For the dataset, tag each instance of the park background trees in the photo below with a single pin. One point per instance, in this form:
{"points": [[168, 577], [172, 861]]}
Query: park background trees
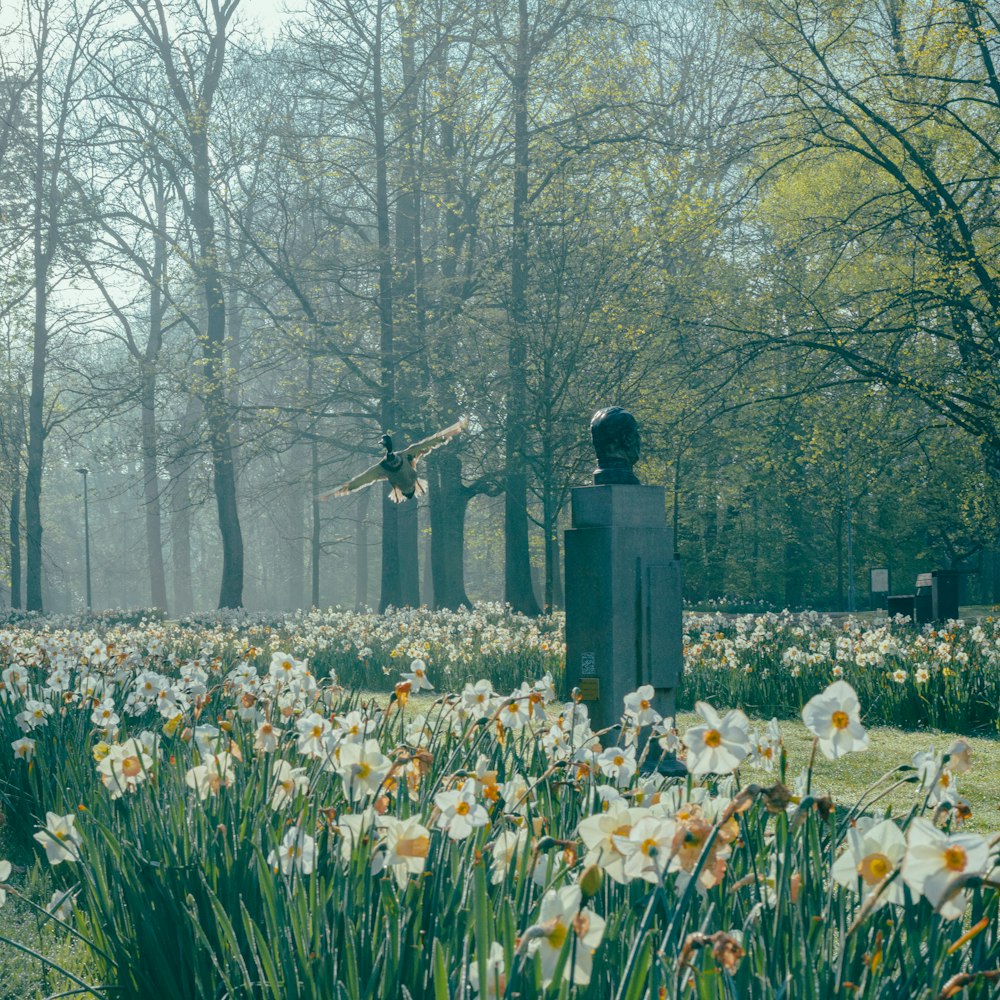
{"points": [[232, 255]]}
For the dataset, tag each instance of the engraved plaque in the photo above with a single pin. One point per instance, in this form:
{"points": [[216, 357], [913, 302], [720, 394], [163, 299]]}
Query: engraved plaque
{"points": [[590, 689]]}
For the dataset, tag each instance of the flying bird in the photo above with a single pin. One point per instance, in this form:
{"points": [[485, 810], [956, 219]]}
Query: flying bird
{"points": [[400, 467]]}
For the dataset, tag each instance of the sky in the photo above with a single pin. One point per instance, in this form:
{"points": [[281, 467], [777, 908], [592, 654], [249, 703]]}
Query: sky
{"points": [[269, 14]]}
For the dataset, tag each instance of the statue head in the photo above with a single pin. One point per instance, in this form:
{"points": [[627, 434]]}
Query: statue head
{"points": [[616, 441]]}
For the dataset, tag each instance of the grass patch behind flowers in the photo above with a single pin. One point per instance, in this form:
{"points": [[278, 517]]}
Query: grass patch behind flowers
{"points": [[233, 825]]}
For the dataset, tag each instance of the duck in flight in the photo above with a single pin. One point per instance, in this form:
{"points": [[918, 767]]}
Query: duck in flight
{"points": [[400, 467]]}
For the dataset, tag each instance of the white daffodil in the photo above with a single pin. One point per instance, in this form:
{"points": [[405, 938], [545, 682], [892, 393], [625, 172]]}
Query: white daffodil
{"points": [[354, 829], [24, 748], [639, 707], [313, 731], [105, 717], [460, 812], [505, 850], [286, 784], [518, 795], [285, 668], [648, 848], [34, 716], [362, 768], [4, 875], [297, 853], [266, 738], [871, 855], [618, 764], [215, 774], [417, 676], [600, 834], [124, 768], [59, 838], [516, 713], [720, 745], [405, 844], [355, 727], [936, 777], [496, 976], [209, 739], [960, 757], [61, 904], [560, 917], [834, 717], [764, 747], [479, 699], [935, 860]]}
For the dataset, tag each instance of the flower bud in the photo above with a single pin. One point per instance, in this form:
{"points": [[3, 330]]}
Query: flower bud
{"points": [[590, 881]]}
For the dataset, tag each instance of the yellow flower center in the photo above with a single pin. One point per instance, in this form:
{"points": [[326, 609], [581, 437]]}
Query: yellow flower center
{"points": [[317, 731], [413, 847], [648, 846], [462, 808], [955, 859], [619, 760], [713, 738], [557, 936], [364, 769], [874, 868], [644, 704], [131, 767], [840, 720]]}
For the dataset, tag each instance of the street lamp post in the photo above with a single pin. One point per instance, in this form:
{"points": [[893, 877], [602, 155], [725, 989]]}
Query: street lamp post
{"points": [[83, 470]]}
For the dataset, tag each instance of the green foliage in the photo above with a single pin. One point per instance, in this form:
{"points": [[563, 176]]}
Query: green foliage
{"points": [[190, 894]]}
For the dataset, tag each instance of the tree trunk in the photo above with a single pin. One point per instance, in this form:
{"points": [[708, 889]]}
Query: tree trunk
{"points": [[518, 589], [408, 521], [216, 400], [361, 552], [391, 590], [427, 580], [14, 513], [315, 538], [447, 512], [14, 526], [41, 258], [408, 293], [295, 545], [180, 513], [150, 445], [151, 492]]}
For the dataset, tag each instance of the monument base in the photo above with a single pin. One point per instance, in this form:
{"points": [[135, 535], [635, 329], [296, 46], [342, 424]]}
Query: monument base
{"points": [[623, 600]]}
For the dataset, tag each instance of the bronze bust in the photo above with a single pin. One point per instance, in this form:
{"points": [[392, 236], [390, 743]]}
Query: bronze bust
{"points": [[616, 441]]}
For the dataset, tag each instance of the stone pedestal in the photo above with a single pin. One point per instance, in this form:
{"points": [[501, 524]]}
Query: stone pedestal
{"points": [[623, 600]]}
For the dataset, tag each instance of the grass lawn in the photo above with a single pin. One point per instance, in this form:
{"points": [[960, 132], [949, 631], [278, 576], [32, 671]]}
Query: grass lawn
{"points": [[21, 976], [848, 778]]}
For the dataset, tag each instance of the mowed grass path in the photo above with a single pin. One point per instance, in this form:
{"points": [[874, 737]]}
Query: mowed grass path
{"points": [[845, 780]]}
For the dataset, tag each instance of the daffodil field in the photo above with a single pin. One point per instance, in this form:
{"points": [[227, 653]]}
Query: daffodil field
{"points": [[947, 678], [334, 805]]}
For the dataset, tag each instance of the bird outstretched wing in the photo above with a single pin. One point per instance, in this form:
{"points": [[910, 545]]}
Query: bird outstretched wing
{"points": [[416, 451], [369, 476]]}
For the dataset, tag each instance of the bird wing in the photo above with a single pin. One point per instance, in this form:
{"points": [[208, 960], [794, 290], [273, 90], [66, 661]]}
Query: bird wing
{"points": [[415, 452], [369, 476]]}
